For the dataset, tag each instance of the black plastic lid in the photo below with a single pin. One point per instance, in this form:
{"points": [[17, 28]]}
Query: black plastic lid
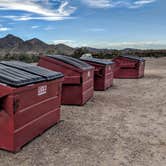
{"points": [[97, 60], [72, 61], [37, 70], [18, 76], [133, 57], [15, 77]]}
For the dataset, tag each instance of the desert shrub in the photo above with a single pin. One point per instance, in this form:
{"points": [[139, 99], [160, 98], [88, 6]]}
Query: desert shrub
{"points": [[20, 57]]}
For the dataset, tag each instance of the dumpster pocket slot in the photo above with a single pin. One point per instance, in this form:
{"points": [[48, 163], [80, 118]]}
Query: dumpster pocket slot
{"points": [[128, 65], [99, 72], [72, 80], [16, 104], [2, 103]]}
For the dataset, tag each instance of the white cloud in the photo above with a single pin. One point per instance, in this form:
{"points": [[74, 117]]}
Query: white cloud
{"points": [[117, 3], [140, 44], [132, 44], [98, 3], [42, 10], [140, 3], [3, 29], [35, 27], [68, 42], [71, 43], [114, 45], [30, 17]]}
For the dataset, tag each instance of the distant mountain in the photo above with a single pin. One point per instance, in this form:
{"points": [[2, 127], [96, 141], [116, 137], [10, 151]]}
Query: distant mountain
{"points": [[11, 45], [10, 42], [62, 48], [14, 45]]}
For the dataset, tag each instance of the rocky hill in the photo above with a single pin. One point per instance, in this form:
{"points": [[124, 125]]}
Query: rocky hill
{"points": [[15, 45]]}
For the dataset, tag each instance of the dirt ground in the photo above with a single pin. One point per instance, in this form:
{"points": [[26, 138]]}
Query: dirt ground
{"points": [[123, 126]]}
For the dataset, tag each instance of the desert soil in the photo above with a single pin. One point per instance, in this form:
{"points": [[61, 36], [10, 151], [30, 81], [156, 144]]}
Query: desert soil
{"points": [[123, 126]]}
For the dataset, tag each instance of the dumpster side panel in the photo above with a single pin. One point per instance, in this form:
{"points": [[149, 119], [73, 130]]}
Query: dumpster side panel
{"points": [[109, 76], [141, 69], [87, 86]]}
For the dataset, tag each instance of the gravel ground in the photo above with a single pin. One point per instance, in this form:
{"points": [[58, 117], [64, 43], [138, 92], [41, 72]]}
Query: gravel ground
{"points": [[124, 126]]}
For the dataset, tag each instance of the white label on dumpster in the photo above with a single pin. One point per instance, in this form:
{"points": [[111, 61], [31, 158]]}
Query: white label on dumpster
{"points": [[42, 90], [89, 74]]}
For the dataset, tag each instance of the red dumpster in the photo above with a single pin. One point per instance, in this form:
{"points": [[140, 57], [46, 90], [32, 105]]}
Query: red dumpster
{"points": [[30, 99], [129, 67], [103, 75], [78, 86]]}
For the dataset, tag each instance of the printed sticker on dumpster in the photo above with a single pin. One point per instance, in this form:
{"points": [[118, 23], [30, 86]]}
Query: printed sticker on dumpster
{"points": [[42, 90], [89, 74]]}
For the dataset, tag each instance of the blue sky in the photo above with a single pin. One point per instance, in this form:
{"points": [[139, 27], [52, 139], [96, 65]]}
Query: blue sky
{"points": [[95, 23]]}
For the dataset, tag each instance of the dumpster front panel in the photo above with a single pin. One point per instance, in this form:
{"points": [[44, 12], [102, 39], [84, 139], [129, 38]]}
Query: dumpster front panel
{"points": [[129, 67], [79, 94], [71, 94], [6, 123], [34, 116], [35, 101]]}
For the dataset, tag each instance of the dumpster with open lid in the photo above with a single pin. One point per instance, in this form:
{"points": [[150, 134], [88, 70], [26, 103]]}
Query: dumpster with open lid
{"points": [[77, 87], [129, 67], [29, 102], [103, 75]]}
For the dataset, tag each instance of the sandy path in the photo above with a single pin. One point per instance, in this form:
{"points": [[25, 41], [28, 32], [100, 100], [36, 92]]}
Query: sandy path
{"points": [[124, 126]]}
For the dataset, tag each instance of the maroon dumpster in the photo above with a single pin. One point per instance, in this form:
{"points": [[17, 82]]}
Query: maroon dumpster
{"points": [[129, 67], [78, 85], [30, 99], [103, 75]]}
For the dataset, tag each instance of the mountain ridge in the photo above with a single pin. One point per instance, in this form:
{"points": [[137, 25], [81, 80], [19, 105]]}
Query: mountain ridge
{"points": [[15, 45]]}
